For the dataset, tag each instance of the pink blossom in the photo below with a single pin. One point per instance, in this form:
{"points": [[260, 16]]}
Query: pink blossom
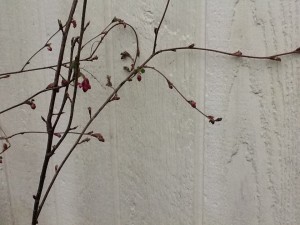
{"points": [[85, 85]]}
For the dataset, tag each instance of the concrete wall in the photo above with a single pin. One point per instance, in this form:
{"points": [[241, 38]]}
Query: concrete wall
{"points": [[162, 163]]}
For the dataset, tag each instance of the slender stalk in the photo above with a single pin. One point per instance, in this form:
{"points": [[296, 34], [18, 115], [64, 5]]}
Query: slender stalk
{"points": [[31, 97], [47, 44], [76, 75], [176, 89], [50, 131], [156, 30], [37, 132]]}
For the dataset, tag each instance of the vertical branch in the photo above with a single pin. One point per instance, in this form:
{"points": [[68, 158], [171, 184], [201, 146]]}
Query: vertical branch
{"points": [[73, 42], [156, 30], [76, 75], [50, 130]]}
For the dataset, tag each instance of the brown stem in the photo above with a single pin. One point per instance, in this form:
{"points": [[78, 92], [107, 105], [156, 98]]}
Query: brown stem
{"points": [[31, 97], [50, 131], [271, 57], [37, 68], [132, 73], [38, 132], [67, 87], [45, 45], [156, 30], [76, 75], [102, 32], [171, 83], [49, 151]]}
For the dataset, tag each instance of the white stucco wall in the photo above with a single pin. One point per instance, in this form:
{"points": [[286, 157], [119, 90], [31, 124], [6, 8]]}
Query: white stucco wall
{"points": [[162, 163]]}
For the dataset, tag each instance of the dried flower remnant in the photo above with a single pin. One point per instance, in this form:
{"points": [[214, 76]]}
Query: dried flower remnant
{"points": [[170, 84], [31, 104], [276, 58], [74, 23], [64, 82], [212, 120], [297, 50], [4, 147], [108, 83], [90, 111], [115, 98], [49, 48], [57, 135], [238, 53], [50, 86], [84, 140], [125, 55], [98, 136], [126, 68]]}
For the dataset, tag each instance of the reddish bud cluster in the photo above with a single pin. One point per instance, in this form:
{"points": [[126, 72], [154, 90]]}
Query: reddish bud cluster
{"points": [[49, 48], [50, 86], [238, 53], [192, 103], [57, 135], [85, 85], [31, 103], [74, 23], [64, 82]]}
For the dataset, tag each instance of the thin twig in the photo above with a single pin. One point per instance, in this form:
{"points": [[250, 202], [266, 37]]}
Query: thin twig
{"points": [[102, 32], [235, 54], [39, 132], [68, 83], [31, 97], [108, 100], [45, 45], [173, 86], [156, 30]]}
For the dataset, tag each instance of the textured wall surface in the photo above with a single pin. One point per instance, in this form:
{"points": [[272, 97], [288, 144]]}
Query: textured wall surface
{"points": [[162, 162]]}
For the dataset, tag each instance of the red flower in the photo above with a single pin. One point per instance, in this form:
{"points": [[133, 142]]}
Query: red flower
{"points": [[85, 85]]}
